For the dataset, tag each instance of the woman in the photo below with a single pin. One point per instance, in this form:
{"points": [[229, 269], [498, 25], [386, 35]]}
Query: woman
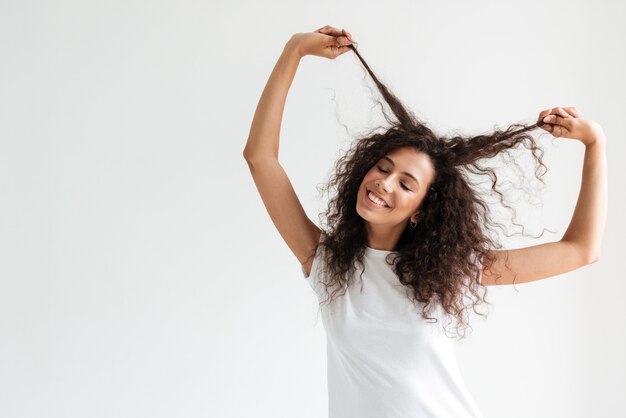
{"points": [[407, 224]]}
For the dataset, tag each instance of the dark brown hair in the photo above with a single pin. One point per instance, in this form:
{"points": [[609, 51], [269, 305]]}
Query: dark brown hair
{"points": [[451, 241]]}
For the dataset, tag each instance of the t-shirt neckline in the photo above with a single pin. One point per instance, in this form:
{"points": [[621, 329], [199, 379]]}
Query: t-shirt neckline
{"points": [[375, 251]]}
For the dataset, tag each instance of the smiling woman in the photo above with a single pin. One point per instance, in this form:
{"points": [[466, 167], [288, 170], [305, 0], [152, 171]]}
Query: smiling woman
{"points": [[404, 219], [391, 181]]}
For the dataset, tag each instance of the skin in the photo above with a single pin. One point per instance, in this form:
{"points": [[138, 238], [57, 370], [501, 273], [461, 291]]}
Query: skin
{"points": [[579, 246], [403, 194]]}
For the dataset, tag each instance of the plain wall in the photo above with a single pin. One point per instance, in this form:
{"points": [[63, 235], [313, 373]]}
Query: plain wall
{"points": [[140, 275]]}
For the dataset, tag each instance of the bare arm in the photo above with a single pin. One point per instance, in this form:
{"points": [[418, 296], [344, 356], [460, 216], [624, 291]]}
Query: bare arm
{"points": [[265, 130], [586, 228], [581, 243], [261, 152]]}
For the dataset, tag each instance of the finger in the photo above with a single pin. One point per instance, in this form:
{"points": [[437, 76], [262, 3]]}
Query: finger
{"points": [[560, 111], [347, 34], [572, 111], [344, 49], [558, 121], [542, 114], [331, 30], [335, 41], [339, 41], [546, 127], [335, 51], [323, 28], [555, 130], [559, 131]]}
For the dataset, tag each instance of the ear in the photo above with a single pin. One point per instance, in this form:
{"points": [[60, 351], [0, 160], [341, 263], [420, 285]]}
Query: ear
{"points": [[417, 216]]}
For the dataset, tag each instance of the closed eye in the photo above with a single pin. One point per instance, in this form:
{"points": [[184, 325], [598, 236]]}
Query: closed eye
{"points": [[401, 184]]}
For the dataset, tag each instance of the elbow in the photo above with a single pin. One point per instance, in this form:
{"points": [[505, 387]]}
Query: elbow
{"points": [[249, 159], [248, 151], [592, 258], [254, 160], [586, 254]]}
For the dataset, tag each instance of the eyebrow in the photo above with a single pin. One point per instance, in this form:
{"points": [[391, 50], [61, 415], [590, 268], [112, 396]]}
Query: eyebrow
{"points": [[406, 173]]}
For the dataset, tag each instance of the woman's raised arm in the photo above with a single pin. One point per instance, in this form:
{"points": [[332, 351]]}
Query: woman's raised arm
{"points": [[582, 241], [261, 151]]}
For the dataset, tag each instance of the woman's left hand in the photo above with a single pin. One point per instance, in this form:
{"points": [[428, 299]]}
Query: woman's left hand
{"points": [[566, 122]]}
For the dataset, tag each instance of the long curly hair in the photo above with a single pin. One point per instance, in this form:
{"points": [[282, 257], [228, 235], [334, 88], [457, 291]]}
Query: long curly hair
{"points": [[440, 259]]}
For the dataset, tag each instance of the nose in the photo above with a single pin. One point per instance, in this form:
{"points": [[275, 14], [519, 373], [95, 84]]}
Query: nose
{"points": [[384, 185]]}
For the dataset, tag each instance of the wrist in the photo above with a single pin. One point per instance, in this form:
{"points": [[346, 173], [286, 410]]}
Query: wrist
{"points": [[596, 137], [293, 47]]}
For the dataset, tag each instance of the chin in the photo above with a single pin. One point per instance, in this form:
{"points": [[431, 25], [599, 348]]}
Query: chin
{"points": [[363, 212], [367, 214]]}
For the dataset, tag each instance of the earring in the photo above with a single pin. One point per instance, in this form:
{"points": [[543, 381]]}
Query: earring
{"points": [[413, 225]]}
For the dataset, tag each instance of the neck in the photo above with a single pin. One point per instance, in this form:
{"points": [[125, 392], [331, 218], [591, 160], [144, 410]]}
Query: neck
{"points": [[383, 237]]}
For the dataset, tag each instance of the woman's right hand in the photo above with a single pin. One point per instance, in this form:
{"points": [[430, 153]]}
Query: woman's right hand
{"points": [[327, 42]]}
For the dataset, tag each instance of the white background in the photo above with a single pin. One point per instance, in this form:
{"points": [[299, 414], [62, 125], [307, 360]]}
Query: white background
{"points": [[140, 275]]}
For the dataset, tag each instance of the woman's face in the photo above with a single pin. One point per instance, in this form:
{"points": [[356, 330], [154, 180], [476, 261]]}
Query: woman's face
{"points": [[400, 179]]}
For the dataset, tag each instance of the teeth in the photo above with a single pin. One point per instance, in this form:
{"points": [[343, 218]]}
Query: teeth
{"points": [[376, 200]]}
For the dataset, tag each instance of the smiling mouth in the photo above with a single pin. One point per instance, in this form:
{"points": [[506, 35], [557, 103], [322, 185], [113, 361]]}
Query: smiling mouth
{"points": [[375, 200]]}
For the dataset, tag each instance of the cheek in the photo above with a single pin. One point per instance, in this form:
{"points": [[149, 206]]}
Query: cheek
{"points": [[409, 202], [367, 177]]}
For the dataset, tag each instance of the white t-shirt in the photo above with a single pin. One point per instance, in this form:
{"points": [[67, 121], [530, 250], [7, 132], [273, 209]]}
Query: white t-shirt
{"points": [[384, 359]]}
